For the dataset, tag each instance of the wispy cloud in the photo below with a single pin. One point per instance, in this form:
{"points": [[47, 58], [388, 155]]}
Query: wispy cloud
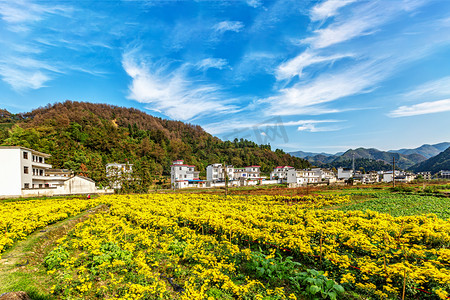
{"points": [[237, 124], [21, 79], [295, 66], [170, 91], [254, 3], [21, 12], [327, 9], [225, 26], [207, 63], [365, 19], [421, 108], [327, 87], [435, 88]]}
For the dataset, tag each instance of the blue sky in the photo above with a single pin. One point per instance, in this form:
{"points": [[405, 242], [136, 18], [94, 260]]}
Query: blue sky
{"points": [[300, 75]]}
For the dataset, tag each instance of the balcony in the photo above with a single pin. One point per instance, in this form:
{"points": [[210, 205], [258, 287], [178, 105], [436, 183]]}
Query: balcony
{"points": [[41, 165]]}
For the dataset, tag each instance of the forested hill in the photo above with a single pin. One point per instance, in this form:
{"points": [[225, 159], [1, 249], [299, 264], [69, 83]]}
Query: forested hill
{"points": [[85, 136], [435, 163]]}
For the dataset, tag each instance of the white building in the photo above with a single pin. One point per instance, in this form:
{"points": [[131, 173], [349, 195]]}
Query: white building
{"points": [[344, 174], [427, 175], [280, 172], [247, 173], [181, 175], [117, 173], [216, 173], [444, 174], [302, 177], [387, 175], [21, 169], [24, 172], [368, 178], [325, 175]]}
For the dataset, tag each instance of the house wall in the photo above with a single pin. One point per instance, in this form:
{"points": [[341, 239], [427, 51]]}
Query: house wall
{"points": [[11, 174], [79, 185]]}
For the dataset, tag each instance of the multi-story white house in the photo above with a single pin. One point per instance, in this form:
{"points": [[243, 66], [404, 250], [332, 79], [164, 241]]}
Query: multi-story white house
{"points": [[324, 175], [280, 172], [182, 175], [117, 173], [21, 168], [427, 175], [387, 175], [302, 177], [216, 173], [250, 172], [344, 173], [444, 174], [24, 172]]}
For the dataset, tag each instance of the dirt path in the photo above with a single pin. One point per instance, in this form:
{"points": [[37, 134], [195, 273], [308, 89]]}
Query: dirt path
{"points": [[21, 267]]}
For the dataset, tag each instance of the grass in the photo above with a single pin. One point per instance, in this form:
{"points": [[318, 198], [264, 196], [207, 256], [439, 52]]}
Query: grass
{"points": [[21, 267], [402, 205]]}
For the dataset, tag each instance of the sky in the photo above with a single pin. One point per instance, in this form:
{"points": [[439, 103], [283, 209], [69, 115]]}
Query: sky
{"points": [[318, 76]]}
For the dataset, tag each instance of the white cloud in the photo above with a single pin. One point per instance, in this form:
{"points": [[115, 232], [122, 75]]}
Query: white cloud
{"points": [[435, 88], [338, 33], [238, 125], [22, 79], [304, 96], [18, 13], [295, 66], [171, 92], [327, 9], [421, 108], [207, 63], [254, 3], [363, 20], [224, 26], [314, 128]]}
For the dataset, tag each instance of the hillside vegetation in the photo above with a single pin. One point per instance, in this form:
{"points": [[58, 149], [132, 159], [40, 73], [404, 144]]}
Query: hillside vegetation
{"points": [[435, 163], [85, 136]]}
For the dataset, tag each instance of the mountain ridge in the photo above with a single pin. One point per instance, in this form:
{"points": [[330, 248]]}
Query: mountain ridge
{"points": [[435, 163]]}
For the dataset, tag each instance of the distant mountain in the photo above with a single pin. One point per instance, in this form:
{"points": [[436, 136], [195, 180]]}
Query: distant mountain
{"points": [[303, 154], [402, 161], [365, 164], [371, 158], [435, 163], [425, 150]]}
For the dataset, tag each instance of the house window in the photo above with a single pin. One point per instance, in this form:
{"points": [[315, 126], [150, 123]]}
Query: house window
{"points": [[25, 170], [40, 185], [41, 172], [41, 160], [26, 185], [25, 155]]}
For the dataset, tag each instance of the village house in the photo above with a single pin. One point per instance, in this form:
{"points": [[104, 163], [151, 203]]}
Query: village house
{"points": [[280, 173], [425, 175], [183, 176], [216, 173], [302, 177], [444, 174], [25, 173], [344, 174], [368, 178]]}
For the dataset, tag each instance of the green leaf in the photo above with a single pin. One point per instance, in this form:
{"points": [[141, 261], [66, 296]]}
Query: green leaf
{"points": [[314, 289], [332, 295]]}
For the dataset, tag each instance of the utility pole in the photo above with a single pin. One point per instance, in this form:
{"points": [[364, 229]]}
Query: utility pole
{"points": [[353, 164], [226, 178], [393, 171]]}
